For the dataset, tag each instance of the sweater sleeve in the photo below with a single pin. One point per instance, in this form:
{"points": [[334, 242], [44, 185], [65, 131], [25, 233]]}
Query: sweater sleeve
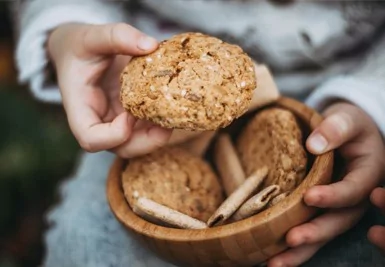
{"points": [[34, 19], [364, 87]]}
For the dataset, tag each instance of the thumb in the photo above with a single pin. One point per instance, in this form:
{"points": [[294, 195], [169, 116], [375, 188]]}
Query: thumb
{"points": [[113, 39], [338, 127]]}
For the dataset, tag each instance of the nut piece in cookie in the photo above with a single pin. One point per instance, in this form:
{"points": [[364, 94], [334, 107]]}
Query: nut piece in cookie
{"points": [[273, 138], [174, 178], [192, 82]]}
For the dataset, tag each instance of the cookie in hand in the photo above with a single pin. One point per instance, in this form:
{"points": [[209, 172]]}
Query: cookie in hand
{"points": [[191, 82]]}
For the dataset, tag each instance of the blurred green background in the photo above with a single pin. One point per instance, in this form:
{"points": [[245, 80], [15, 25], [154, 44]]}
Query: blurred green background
{"points": [[37, 151]]}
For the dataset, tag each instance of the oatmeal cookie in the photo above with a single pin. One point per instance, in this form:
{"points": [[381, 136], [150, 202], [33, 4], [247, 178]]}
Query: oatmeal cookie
{"points": [[192, 82], [175, 178], [274, 138]]}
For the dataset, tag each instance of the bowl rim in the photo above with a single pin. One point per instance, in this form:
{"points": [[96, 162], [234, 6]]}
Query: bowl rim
{"points": [[122, 211]]}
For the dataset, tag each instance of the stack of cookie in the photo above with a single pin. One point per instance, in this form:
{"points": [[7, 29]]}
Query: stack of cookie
{"points": [[194, 82]]}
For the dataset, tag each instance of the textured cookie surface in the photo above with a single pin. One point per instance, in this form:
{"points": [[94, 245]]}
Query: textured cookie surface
{"points": [[274, 138], [192, 81], [175, 178]]}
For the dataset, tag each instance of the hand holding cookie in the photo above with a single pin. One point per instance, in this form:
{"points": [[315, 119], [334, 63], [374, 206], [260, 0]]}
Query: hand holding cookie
{"points": [[191, 82], [350, 130], [88, 61]]}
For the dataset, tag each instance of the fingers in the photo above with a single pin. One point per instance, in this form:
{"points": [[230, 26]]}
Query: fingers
{"points": [[294, 257], [85, 109], [332, 132], [308, 238], [93, 135], [325, 227], [377, 197], [376, 235], [143, 141], [114, 39], [119, 135], [345, 193], [143, 124], [338, 128]]}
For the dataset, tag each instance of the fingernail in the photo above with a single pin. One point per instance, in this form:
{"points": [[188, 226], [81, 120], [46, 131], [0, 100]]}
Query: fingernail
{"points": [[318, 143], [146, 42]]}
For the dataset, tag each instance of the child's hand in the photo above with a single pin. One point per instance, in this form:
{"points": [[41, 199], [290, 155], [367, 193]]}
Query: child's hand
{"points": [[88, 61], [352, 131], [376, 234]]}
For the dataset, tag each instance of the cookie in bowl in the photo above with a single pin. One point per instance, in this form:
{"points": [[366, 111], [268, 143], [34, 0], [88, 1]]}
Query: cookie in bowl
{"points": [[176, 179], [273, 138], [192, 82]]}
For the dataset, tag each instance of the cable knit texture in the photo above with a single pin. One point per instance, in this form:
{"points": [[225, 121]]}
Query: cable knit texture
{"points": [[320, 52]]}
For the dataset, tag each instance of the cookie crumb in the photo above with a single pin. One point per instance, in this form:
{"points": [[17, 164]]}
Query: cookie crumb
{"points": [[193, 97], [204, 57], [168, 96]]}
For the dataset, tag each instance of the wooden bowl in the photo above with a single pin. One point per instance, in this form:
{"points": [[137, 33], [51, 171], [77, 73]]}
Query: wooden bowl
{"points": [[244, 243]]}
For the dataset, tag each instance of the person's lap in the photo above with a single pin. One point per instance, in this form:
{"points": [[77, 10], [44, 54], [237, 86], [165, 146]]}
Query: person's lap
{"points": [[83, 231]]}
